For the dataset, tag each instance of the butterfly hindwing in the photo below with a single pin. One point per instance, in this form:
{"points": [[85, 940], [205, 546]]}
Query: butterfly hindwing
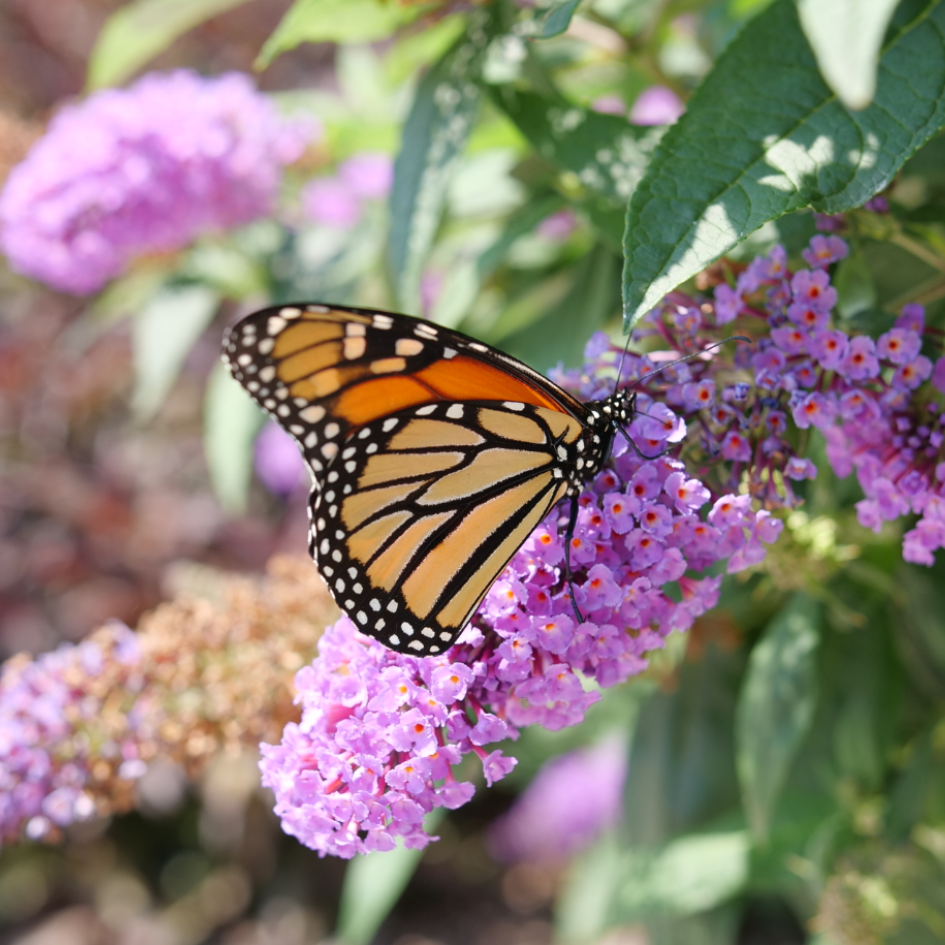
{"points": [[420, 512]]}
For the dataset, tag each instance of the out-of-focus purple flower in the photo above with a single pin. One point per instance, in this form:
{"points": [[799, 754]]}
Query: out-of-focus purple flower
{"points": [[824, 250], [558, 226], [277, 460], [44, 760], [368, 175], [144, 170], [331, 202], [657, 105], [570, 803], [609, 105]]}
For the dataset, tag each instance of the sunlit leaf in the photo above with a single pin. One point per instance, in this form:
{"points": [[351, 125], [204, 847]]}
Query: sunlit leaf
{"points": [[583, 906], [433, 137], [606, 153], [557, 19], [764, 135], [333, 21], [846, 36], [373, 884], [137, 32], [231, 422], [163, 332], [776, 706], [689, 875]]}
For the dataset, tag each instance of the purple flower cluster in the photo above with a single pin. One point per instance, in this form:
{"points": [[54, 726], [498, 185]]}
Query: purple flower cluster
{"points": [[873, 400], [143, 170], [338, 200], [380, 730], [46, 720], [569, 804]]}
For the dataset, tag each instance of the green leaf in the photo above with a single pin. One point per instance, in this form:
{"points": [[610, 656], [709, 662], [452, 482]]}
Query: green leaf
{"points": [[434, 135], [583, 906], [558, 19], [137, 32], [776, 706], [606, 154], [163, 332], [764, 135], [373, 884], [333, 21], [846, 36], [231, 422], [688, 875], [856, 290], [563, 332]]}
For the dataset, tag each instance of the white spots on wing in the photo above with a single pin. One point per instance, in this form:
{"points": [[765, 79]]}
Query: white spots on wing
{"points": [[392, 606], [275, 324], [331, 430], [511, 405], [283, 411], [374, 604], [428, 632], [389, 424], [324, 546], [351, 466], [266, 345], [562, 453], [394, 640], [426, 411], [355, 330], [362, 617], [371, 448], [415, 645], [449, 353], [318, 309], [354, 348], [267, 373], [244, 359], [455, 412], [311, 440], [282, 393], [364, 433], [446, 637], [406, 347], [475, 346], [426, 331], [340, 585], [383, 321], [312, 414], [348, 453], [289, 312], [330, 450], [336, 556], [408, 630]]}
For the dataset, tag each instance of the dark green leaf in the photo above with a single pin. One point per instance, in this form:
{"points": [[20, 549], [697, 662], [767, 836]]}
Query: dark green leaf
{"points": [[162, 334], [607, 154], [764, 135], [137, 32], [373, 884], [231, 422], [433, 138], [776, 706], [558, 19], [846, 36]]}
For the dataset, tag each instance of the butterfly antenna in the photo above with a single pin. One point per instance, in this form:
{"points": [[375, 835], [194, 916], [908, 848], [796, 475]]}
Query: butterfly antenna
{"points": [[687, 357]]}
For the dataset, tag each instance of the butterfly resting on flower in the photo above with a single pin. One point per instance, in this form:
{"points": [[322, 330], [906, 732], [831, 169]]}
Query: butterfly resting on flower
{"points": [[433, 457]]}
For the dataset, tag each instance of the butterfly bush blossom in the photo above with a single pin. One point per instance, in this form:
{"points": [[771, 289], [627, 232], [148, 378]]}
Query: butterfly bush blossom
{"points": [[144, 170]]}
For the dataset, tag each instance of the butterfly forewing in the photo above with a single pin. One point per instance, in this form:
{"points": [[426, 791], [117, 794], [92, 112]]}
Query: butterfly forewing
{"points": [[432, 457], [421, 511]]}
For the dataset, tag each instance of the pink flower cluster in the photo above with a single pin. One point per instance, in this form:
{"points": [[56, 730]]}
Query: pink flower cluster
{"points": [[143, 170], [874, 401], [339, 200]]}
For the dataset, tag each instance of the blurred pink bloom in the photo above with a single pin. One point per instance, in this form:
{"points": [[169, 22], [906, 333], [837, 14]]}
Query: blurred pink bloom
{"points": [[610, 105], [557, 227], [572, 800], [368, 175], [331, 201], [656, 105], [277, 460]]}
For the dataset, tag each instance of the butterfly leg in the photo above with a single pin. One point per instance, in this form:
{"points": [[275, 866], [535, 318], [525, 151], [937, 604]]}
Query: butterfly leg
{"points": [[568, 535]]}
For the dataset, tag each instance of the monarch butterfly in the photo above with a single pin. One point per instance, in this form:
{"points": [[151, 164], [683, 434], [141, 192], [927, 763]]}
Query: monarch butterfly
{"points": [[433, 457]]}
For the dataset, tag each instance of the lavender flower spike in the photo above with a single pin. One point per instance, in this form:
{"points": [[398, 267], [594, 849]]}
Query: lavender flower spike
{"points": [[143, 170]]}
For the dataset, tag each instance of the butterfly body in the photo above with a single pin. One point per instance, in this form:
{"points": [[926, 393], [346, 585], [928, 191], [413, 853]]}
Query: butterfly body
{"points": [[433, 457]]}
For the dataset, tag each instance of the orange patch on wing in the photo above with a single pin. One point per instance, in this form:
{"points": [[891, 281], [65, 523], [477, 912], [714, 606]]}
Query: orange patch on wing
{"points": [[360, 506], [363, 544], [459, 608], [323, 383], [512, 426], [389, 467], [464, 378], [377, 398], [304, 335], [421, 434], [438, 567], [314, 313], [488, 468], [562, 424], [386, 569], [309, 361]]}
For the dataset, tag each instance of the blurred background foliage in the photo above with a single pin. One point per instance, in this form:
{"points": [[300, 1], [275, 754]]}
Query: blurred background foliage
{"points": [[785, 761]]}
